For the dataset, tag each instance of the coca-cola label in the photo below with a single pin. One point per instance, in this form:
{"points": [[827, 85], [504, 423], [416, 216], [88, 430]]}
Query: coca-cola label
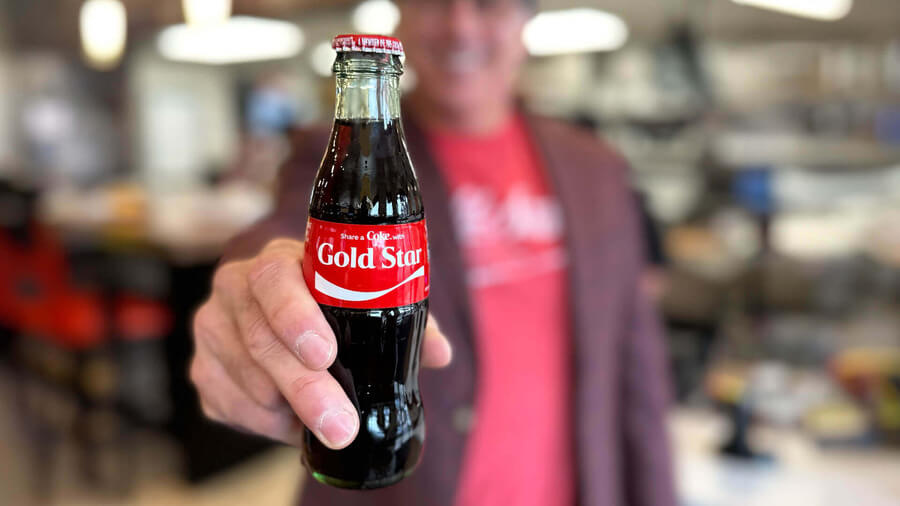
{"points": [[366, 266]]}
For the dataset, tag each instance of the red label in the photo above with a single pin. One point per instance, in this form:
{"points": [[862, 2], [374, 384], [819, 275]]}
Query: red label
{"points": [[366, 266]]}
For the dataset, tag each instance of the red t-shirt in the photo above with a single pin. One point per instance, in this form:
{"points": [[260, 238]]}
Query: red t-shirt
{"points": [[511, 231]]}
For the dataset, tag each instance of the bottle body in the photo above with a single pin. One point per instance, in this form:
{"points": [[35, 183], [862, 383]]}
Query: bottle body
{"points": [[366, 264]]}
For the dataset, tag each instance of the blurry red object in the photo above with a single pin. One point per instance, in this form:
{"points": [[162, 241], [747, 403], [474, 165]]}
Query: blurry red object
{"points": [[138, 318], [36, 297], [78, 320], [29, 274]]}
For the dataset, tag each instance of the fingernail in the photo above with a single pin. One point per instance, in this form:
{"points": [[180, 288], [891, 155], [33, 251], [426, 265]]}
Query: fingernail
{"points": [[314, 350], [338, 427]]}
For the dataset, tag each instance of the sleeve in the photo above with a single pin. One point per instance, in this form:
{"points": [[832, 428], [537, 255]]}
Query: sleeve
{"points": [[288, 217], [645, 399]]}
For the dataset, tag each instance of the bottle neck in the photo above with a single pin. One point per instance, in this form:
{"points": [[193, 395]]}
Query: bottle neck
{"points": [[367, 86]]}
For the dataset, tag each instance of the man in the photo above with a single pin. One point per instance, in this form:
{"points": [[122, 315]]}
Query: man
{"points": [[556, 393]]}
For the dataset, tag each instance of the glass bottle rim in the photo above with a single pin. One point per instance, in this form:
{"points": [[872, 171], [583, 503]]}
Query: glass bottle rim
{"points": [[352, 63]]}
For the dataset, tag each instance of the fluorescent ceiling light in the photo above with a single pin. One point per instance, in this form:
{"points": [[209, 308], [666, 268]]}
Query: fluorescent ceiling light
{"points": [[825, 10], [240, 39], [321, 58], [206, 12], [574, 31], [103, 25], [376, 16]]}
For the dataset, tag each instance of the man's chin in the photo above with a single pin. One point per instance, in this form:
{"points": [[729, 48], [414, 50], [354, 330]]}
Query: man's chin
{"points": [[463, 100], [458, 104]]}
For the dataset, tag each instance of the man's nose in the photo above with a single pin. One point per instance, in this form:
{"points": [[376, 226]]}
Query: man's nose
{"points": [[463, 18]]}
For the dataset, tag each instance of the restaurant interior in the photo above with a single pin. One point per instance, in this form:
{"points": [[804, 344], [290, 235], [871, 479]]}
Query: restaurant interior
{"points": [[763, 136]]}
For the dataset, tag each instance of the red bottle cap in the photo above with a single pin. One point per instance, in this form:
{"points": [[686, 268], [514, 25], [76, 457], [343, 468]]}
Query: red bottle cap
{"points": [[367, 44]]}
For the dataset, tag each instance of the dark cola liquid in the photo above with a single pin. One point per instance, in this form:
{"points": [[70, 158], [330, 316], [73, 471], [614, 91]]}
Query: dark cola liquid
{"points": [[366, 178]]}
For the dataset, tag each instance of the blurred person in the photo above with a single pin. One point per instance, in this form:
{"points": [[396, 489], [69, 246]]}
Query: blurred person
{"points": [[556, 393]]}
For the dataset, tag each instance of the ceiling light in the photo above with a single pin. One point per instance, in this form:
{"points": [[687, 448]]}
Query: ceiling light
{"points": [[104, 26], [574, 31], [206, 12], [376, 16], [240, 39], [825, 10], [321, 58]]}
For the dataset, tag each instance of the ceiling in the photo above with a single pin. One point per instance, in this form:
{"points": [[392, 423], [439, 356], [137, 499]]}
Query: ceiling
{"points": [[53, 23], [723, 19]]}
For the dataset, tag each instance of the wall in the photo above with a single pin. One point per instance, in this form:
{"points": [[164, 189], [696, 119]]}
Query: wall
{"points": [[185, 120]]}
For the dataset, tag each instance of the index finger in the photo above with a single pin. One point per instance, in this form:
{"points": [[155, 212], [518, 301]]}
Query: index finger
{"points": [[276, 282]]}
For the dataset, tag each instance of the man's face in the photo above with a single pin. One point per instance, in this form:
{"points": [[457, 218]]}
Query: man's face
{"points": [[466, 53]]}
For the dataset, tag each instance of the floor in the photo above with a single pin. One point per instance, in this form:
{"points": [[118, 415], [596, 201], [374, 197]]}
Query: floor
{"points": [[800, 474], [270, 479]]}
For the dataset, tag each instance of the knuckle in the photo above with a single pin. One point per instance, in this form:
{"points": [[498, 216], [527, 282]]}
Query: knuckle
{"points": [[269, 398], [227, 278], [283, 316], [299, 388], [209, 412], [259, 340], [197, 374], [203, 322], [230, 413], [262, 390], [285, 243], [207, 330], [266, 269]]}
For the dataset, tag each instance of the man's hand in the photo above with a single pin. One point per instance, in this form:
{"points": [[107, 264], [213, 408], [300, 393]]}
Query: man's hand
{"points": [[262, 347]]}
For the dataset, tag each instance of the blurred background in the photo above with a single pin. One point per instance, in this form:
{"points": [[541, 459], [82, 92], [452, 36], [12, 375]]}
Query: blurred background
{"points": [[136, 136]]}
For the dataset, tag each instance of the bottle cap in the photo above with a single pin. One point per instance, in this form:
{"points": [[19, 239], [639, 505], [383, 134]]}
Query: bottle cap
{"points": [[367, 44]]}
